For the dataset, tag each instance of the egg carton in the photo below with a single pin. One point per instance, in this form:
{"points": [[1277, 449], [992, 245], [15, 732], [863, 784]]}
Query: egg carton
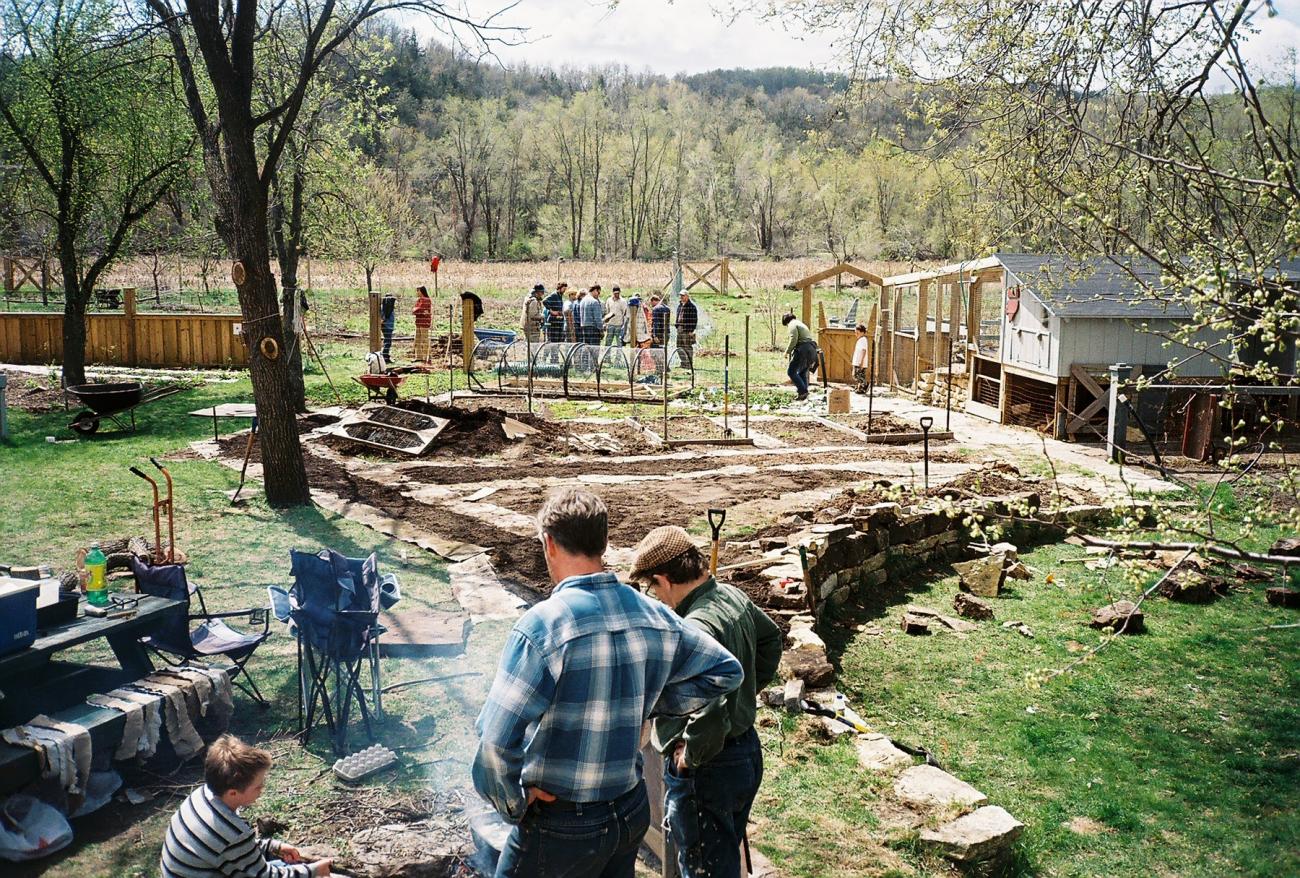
{"points": [[364, 763]]}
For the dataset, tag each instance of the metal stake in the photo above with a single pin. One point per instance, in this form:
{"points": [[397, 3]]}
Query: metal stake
{"points": [[926, 423], [726, 385]]}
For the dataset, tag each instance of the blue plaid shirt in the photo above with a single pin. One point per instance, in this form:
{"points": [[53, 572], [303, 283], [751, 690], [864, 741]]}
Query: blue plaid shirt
{"points": [[580, 674]]}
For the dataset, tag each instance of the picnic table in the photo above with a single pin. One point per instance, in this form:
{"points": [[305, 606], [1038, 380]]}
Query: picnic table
{"points": [[33, 681]]}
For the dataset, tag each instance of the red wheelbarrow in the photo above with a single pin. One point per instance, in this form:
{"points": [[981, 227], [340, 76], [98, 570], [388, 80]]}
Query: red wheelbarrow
{"points": [[382, 387]]}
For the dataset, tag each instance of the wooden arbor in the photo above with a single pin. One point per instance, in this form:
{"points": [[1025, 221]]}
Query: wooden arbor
{"points": [[806, 284], [836, 342]]}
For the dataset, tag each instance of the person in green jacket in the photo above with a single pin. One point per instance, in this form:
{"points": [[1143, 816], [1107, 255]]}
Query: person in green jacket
{"points": [[713, 762], [802, 351]]}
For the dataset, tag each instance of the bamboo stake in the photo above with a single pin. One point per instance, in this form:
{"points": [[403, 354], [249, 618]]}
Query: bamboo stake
{"points": [[746, 376], [664, 378]]}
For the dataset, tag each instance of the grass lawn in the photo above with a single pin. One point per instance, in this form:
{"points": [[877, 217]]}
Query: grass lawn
{"points": [[1174, 752]]}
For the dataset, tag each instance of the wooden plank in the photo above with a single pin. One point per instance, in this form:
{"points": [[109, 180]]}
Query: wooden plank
{"points": [[922, 318], [168, 354]]}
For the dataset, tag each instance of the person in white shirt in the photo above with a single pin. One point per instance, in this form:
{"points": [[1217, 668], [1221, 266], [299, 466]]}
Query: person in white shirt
{"points": [[616, 318], [861, 361]]}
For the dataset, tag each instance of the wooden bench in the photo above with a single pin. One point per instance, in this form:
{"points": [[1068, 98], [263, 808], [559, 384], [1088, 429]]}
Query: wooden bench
{"points": [[19, 766], [35, 683]]}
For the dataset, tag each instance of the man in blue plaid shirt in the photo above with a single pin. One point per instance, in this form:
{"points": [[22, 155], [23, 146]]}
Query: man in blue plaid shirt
{"points": [[560, 734]]}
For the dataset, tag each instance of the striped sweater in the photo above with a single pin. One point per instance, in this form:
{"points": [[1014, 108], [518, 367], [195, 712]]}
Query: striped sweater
{"points": [[208, 840]]}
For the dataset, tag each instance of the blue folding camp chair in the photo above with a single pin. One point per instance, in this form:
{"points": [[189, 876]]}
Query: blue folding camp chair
{"points": [[334, 604], [176, 644]]}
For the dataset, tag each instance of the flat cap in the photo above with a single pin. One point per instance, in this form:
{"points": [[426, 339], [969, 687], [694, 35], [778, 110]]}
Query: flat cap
{"points": [[539, 288], [660, 546]]}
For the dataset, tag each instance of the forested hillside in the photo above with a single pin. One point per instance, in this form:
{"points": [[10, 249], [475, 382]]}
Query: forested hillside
{"points": [[409, 147]]}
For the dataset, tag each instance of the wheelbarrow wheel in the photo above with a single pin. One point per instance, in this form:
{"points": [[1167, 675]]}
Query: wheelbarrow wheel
{"points": [[390, 396], [86, 423]]}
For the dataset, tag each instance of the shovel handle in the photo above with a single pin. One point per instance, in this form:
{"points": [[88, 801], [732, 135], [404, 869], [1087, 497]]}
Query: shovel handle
{"points": [[716, 519]]}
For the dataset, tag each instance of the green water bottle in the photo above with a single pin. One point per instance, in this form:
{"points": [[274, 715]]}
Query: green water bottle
{"points": [[97, 567]]}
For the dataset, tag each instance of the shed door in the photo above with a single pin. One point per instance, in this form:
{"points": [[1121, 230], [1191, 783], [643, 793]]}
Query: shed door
{"points": [[1027, 335]]}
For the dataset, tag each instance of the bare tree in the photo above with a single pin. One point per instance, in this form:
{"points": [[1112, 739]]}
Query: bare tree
{"points": [[228, 36], [86, 102]]}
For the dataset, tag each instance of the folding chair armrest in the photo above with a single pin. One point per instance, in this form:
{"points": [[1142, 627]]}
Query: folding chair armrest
{"points": [[256, 616]]}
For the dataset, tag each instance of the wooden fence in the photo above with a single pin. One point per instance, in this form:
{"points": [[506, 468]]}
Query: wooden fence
{"points": [[128, 339]]}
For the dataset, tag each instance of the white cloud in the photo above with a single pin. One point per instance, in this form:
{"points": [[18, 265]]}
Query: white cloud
{"points": [[686, 36], [690, 36]]}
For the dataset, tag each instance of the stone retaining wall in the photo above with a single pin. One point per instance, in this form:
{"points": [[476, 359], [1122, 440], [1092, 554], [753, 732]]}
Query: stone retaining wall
{"points": [[868, 547]]}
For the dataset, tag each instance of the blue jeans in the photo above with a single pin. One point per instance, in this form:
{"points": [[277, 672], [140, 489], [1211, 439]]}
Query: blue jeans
{"points": [[614, 336], [706, 812], [803, 357], [569, 840]]}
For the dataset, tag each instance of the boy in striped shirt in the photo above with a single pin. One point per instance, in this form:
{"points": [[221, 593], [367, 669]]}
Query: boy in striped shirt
{"points": [[208, 839]]}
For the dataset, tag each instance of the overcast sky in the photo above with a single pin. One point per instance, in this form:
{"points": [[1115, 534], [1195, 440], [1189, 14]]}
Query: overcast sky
{"points": [[688, 36]]}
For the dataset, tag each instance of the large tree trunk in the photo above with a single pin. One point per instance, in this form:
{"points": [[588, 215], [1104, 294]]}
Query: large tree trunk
{"points": [[283, 471], [74, 317], [287, 241]]}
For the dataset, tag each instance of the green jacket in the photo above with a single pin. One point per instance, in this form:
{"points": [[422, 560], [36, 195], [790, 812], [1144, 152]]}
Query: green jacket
{"points": [[745, 631], [799, 333]]}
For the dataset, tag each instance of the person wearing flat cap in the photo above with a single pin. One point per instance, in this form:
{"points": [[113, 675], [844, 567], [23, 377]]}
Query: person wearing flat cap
{"points": [[531, 319], [713, 762], [581, 673]]}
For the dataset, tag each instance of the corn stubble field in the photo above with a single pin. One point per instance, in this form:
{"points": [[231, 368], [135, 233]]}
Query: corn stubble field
{"points": [[406, 274]]}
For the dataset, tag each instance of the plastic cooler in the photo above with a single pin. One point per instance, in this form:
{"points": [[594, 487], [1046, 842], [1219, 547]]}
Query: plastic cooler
{"points": [[505, 336], [17, 614]]}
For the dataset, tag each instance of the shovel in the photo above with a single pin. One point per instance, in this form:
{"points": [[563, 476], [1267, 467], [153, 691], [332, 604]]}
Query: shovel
{"points": [[248, 453], [716, 518]]}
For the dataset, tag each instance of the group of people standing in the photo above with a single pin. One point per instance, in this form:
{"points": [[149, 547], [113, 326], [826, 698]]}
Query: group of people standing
{"points": [[581, 675], [585, 317]]}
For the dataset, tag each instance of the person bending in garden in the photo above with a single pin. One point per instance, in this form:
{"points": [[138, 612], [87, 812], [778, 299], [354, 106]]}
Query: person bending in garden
{"points": [[581, 672], [208, 839], [713, 762], [802, 351]]}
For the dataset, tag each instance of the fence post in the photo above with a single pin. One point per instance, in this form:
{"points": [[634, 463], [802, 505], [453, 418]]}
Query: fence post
{"points": [[726, 270], [1117, 412], [467, 334], [373, 301], [128, 312]]}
